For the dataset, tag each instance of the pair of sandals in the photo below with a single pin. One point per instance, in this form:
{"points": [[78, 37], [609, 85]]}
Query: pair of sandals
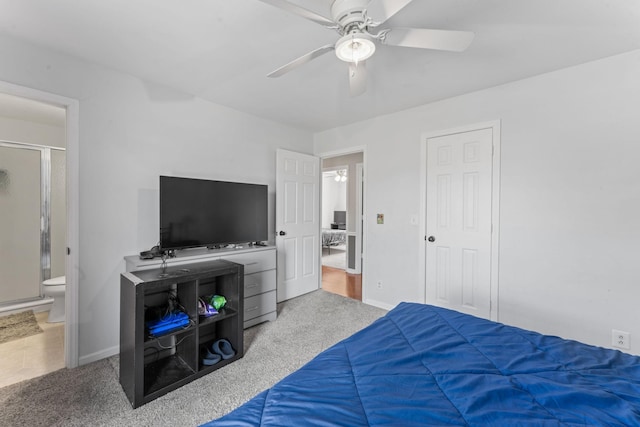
{"points": [[219, 350]]}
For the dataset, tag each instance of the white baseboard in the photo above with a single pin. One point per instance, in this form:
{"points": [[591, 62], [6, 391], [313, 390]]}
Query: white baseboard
{"points": [[99, 355], [379, 304]]}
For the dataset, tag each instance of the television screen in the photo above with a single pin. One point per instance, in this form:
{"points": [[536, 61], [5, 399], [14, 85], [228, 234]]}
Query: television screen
{"points": [[200, 212]]}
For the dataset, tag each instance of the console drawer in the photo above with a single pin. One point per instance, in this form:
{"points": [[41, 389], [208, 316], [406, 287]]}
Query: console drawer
{"points": [[258, 283], [254, 261], [260, 304]]}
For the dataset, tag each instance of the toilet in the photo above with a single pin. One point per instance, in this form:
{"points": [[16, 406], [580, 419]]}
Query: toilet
{"points": [[54, 288]]}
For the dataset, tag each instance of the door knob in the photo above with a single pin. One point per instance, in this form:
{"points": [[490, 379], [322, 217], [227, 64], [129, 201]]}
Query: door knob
{"points": [[431, 239], [282, 233]]}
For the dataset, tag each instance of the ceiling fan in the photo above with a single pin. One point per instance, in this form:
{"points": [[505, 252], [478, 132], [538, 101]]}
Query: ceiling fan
{"points": [[357, 22]]}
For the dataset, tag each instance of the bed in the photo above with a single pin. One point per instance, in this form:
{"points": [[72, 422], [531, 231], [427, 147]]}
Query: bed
{"points": [[423, 365]]}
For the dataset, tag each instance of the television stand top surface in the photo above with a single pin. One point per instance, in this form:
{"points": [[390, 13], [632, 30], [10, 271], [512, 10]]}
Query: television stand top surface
{"points": [[133, 262]]}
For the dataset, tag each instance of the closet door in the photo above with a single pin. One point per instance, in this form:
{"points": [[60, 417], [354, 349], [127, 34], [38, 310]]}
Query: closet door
{"points": [[459, 200]]}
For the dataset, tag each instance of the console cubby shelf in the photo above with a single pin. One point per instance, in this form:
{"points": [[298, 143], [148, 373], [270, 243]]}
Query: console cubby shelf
{"points": [[222, 314], [151, 366], [259, 270], [157, 339]]}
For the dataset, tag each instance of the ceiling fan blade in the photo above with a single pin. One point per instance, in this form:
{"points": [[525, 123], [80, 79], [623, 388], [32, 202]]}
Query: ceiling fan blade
{"points": [[357, 78], [381, 10], [300, 11], [301, 61], [456, 41]]}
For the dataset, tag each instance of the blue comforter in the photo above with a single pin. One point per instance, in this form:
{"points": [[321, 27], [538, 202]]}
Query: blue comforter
{"points": [[422, 365]]}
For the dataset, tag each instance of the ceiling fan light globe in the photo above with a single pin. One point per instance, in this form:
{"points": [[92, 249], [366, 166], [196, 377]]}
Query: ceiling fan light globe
{"points": [[355, 48]]}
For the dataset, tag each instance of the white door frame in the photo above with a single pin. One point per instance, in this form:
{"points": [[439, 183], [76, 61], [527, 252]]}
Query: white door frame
{"points": [[72, 107], [495, 205], [363, 237], [359, 216]]}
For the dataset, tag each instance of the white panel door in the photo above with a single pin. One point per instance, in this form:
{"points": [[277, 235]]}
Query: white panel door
{"points": [[297, 223], [458, 222]]}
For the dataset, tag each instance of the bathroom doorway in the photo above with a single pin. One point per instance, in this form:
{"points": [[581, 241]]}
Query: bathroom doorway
{"points": [[33, 232]]}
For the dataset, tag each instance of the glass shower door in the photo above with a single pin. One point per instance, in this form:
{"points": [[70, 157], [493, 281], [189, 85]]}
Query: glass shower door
{"points": [[20, 224]]}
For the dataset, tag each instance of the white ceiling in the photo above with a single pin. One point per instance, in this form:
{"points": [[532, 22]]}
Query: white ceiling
{"points": [[222, 50]]}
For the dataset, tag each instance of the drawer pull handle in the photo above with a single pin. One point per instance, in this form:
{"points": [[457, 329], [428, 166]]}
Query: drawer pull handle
{"points": [[252, 309], [253, 285], [253, 263]]}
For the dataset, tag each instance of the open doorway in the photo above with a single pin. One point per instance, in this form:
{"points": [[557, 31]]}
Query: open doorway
{"points": [[341, 233], [33, 199], [64, 167], [334, 218]]}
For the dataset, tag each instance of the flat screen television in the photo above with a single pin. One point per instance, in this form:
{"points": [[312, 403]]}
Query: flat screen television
{"points": [[200, 212]]}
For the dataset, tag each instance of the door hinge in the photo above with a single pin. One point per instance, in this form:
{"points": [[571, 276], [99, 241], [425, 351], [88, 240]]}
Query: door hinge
{"points": [[68, 251]]}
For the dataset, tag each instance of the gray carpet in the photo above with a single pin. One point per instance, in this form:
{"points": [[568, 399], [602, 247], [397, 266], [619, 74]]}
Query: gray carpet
{"points": [[91, 394]]}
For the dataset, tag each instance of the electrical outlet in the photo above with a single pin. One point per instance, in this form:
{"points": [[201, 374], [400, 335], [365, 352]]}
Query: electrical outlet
{"points": [[620, 339], [379, 284]]}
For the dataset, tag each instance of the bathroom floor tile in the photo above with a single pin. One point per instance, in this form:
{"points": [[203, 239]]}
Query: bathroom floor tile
{"points": [[33, 356]]}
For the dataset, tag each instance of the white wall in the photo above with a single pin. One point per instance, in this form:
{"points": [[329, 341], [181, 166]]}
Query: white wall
{"points": [[15, 130], [569, 197], [132, 131]]}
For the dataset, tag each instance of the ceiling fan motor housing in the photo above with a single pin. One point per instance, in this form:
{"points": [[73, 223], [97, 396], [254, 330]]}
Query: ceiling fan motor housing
{"points": [[349, 14]]}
